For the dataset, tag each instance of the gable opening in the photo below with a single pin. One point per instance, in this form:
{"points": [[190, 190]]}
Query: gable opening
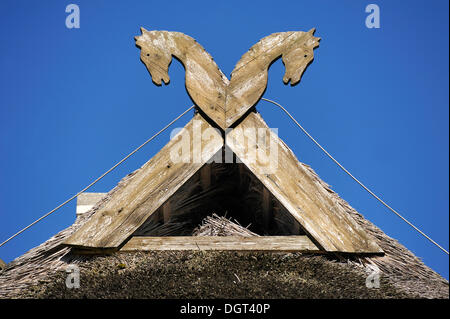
{"points": [[227, 190]]}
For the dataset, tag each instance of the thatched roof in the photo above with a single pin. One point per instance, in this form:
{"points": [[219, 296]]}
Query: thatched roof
{"points": [[213, 274], [216, 225], [201, 274]]}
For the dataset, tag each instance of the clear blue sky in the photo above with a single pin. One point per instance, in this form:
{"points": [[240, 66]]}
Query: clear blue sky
{"points": [[75, 101]]}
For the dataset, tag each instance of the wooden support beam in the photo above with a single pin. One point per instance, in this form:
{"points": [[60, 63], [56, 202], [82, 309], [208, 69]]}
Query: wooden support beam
{"points": [[235, 243], [86, 201], [266, 207], [144, 192], [298, 189]]}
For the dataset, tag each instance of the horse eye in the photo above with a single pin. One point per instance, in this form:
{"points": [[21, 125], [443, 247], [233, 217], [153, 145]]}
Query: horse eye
{"points": [[305, 55], [148, 54]]}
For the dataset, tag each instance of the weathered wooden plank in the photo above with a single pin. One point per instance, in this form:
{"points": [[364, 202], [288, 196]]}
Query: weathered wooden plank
{"points": [[297, 189], [149, 187], [86, 201], [236, 243], [223, 100]]}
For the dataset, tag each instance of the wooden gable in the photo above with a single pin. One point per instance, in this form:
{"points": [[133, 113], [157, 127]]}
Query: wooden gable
{"points": [[225, 102]]}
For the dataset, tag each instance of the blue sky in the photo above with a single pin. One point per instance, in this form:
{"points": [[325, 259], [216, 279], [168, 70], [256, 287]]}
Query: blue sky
{"points": [[75, 101]]}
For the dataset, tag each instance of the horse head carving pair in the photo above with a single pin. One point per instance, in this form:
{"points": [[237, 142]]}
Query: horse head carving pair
{"points": [[226, 100]]}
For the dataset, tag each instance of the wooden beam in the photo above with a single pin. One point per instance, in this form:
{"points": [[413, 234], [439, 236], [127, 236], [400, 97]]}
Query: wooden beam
{"points": [[236, 243], [266, 207], [86, 201], [152, 185], [298, 189]]}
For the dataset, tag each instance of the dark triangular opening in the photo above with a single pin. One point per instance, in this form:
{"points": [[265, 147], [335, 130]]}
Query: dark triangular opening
{"points": [[224, 189]]}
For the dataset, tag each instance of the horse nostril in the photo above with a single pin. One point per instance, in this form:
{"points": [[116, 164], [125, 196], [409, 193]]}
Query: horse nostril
{"points": [[148, 54]]}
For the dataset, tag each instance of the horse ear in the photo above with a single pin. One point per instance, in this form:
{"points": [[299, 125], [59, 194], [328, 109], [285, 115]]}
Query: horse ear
{"points": [[312, 31], [143, 30]]}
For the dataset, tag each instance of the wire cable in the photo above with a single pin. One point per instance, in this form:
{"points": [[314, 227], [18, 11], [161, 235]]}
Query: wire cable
{"points": [[354, 178], [99, 178]]}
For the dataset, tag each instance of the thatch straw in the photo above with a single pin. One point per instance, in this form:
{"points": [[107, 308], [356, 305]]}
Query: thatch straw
{"points": [[216, 225], [399, 267]]}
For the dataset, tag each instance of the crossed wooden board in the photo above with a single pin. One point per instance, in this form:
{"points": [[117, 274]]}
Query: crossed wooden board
{"points": [[328, 226]]}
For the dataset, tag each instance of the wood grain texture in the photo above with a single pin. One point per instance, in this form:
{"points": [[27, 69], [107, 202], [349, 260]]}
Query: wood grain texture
{"points": [[249, 77], [321, 216], [205, 82], [236, 243], [223, 100], [148, 189]]}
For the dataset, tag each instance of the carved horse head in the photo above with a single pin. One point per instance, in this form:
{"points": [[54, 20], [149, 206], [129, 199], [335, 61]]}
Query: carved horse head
{"points": [[156, 57], [297, 58], [223, 100]]}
